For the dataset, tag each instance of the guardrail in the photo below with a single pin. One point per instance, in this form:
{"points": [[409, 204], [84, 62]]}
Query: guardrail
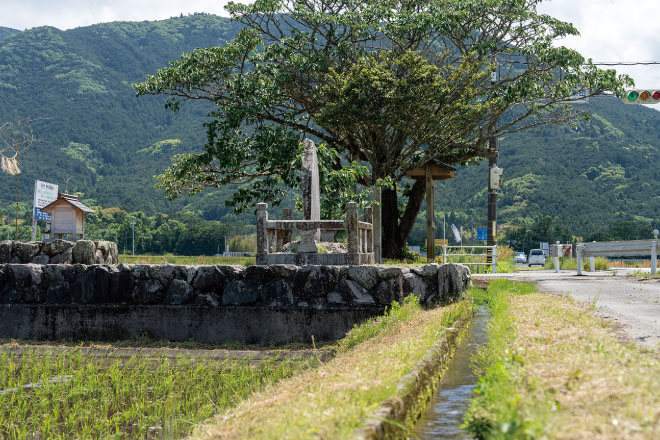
{"points": [[632, 248], [492, 249]]}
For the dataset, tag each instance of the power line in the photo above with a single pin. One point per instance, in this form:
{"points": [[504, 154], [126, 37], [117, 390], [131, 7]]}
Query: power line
{"points": [[597, 63]]}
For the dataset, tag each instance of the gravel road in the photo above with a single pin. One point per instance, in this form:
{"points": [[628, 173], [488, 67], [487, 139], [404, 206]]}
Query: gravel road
{"points": [[633, 303]]}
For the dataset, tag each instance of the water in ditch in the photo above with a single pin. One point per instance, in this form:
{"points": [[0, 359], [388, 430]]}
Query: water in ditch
{"points": [[444, 414]]}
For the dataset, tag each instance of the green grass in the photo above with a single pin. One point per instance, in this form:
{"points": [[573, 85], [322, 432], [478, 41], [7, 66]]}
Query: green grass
{"points": [[553, 369], [495, 410], [644, 275], [138, 398], [336, 398], [394, 316], [185, 260]]}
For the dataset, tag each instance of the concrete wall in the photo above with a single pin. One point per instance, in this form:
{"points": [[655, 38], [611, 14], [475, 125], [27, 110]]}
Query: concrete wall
{"points": [[213, 304]]}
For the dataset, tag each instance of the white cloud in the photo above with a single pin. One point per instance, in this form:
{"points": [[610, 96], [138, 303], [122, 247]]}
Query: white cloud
{"points": [[614, 30], [67, 14]]}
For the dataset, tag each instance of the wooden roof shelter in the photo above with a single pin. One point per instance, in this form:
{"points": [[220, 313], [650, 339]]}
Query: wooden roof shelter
{"points": [[67, 217], [431, 171]]}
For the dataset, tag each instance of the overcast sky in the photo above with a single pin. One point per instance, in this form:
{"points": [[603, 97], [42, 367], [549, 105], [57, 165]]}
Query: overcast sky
{"points": [[611, 30]]}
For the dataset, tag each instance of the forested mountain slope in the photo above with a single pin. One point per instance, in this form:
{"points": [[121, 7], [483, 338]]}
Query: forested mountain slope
{"points": [[588, 176], [6, 32], [109, 144], [91, 127]]}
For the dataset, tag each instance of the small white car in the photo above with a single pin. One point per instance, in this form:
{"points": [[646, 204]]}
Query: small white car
{"points": [[536, 257], [520, 258]]}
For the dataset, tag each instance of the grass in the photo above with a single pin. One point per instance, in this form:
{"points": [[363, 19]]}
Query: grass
{"points": [[72, 396], [335, 399], [505, 263], [571, 263], [645, 275], [185, 260], [553, 369]]}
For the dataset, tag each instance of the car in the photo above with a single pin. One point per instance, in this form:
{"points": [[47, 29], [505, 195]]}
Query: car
{"points": [[520, 257], [536, 257]]}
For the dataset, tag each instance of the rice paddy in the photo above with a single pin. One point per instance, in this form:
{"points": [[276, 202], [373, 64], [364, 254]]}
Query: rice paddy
{"points": [[70, 395]]}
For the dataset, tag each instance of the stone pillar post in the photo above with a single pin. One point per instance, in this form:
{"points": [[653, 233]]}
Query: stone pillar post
{"points": [[286, 235], [369, 218], [262, 237], [377, 222], [353, 232]]}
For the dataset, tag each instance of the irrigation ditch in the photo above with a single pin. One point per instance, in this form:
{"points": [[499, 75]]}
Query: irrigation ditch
{"points": [[437, 393]]}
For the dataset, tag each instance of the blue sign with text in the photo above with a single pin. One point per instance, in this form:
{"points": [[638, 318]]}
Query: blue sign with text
{"points": [[482, 233], [38, 215]]}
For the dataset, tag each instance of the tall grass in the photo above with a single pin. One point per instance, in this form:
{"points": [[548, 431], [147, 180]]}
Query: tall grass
{"points": [[185, 260], [71, 396]]}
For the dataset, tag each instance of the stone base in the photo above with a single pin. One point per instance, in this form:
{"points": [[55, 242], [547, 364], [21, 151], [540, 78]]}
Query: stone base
{"points": [[303, 259]]}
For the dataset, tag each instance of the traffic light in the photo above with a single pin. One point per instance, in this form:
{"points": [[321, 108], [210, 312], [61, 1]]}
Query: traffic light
{"points": [[642, 96]]}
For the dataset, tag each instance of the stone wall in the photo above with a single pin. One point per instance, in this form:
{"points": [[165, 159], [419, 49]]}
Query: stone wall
{"points": [[253, 304], [59, 252]]}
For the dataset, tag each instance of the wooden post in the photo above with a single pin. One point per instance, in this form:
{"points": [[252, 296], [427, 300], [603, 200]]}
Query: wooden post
{"points": [[262, 237], [430, 203]]}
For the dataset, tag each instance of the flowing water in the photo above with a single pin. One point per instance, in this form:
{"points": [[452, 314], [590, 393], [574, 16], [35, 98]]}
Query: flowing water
{"points": [[444, 414]]}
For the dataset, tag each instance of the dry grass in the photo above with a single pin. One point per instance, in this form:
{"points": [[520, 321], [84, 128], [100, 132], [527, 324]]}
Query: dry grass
{"points": [[595, 387], [330, 402]]}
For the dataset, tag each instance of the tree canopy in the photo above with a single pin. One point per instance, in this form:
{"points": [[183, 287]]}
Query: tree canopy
{"points": [[390, 84]]}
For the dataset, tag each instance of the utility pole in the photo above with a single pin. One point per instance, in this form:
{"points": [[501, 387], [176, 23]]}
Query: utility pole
{"points": [[492, 192], [133, 224]]}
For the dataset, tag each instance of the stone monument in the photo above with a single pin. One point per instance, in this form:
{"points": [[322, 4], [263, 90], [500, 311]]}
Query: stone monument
{"points": [[311, 196]]}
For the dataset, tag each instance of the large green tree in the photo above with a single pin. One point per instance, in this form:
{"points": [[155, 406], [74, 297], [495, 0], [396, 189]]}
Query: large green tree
{"points": [[388, 84]]}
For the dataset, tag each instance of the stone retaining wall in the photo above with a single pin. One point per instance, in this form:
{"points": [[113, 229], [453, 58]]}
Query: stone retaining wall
{"points": [[59, 252], [253, 304]]}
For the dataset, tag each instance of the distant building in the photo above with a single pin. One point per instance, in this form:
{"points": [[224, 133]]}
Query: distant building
{"points": [[67, 217]]}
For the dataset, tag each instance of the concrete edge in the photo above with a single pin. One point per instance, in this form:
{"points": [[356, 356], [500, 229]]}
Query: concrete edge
{"points": [[414, 389]]}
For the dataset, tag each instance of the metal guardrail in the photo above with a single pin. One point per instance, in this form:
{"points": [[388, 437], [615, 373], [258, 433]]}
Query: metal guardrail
{"points": [[632, 248], [493, 255]]}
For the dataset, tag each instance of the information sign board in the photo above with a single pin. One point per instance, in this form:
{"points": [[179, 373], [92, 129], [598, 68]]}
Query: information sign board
{"points": [[44, 194]]}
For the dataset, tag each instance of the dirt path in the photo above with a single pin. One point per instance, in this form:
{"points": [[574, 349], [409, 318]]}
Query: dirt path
{"points": [[633, 303]]}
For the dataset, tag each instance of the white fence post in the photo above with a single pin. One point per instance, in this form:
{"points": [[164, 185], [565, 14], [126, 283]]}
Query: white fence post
{"points": [[494, 259], [579, 260], [654, 257], [592, 264], [556, 264]]}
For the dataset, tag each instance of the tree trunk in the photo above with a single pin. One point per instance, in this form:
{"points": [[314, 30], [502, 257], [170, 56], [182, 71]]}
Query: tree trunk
{"points": [[397, 228]]}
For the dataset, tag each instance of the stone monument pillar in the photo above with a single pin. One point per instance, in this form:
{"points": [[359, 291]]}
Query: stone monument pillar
{"points": [[311, 196]]}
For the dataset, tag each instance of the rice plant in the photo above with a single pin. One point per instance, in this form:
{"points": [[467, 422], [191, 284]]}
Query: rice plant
{"points": [[67, 395]]}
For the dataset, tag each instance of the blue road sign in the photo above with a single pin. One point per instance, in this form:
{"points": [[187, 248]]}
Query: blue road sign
{"points": [[482, 233], [38, 215]]}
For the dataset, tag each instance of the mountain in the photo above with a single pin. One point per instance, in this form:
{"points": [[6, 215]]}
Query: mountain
{"points": [[91, 128], [588, 177], [93, 131], [6, 32]]}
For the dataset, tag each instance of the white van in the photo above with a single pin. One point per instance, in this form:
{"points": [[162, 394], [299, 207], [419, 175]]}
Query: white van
{"points": [[536, 257]]}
